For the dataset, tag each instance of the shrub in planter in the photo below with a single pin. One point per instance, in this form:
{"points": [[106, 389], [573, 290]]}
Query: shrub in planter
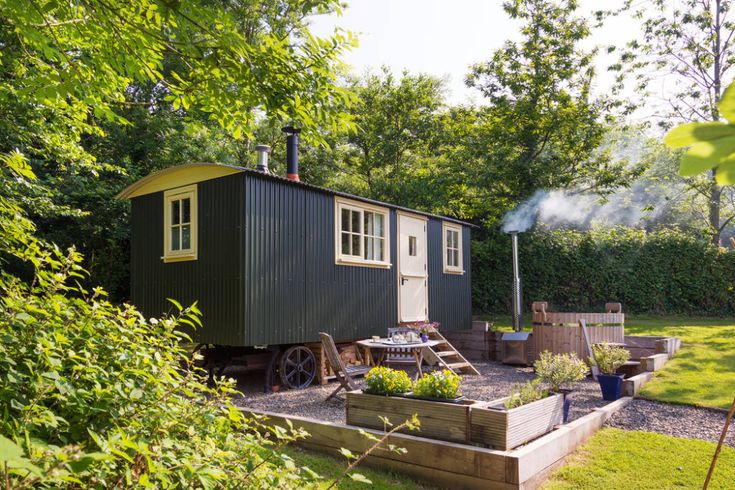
{"points": [[609, 358], [385, 381], [442, 385], [560, 372], [526, 393]]}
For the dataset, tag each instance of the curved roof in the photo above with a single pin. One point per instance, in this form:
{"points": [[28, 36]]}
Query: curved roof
{"points": [[191, 173], [180, 175]]}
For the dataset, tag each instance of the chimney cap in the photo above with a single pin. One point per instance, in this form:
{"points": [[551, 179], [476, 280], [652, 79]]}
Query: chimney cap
{"points": [[291, 129], [264, 148]]}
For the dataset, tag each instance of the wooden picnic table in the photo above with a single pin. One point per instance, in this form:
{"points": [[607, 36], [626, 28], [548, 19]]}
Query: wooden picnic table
{"points": [[415, 349]]}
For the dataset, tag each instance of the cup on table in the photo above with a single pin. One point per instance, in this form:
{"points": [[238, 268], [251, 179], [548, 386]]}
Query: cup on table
{"points": [[376, 338]]}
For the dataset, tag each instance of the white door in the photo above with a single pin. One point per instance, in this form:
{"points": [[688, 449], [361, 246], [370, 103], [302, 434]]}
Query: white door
{"points": [[412, 271]]}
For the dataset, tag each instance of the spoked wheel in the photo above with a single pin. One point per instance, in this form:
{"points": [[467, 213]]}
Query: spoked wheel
{"points": [[298, 367]]}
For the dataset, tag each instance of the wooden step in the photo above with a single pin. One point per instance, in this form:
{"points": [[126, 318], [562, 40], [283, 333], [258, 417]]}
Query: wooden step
{"points": [[447, 353], [457, 365]]}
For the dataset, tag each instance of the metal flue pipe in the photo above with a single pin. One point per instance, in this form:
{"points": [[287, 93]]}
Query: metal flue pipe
{"points": [[517, 291]]}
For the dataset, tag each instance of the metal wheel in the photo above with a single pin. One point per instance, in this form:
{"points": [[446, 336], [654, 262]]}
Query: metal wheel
{"points": [[298, 367]]}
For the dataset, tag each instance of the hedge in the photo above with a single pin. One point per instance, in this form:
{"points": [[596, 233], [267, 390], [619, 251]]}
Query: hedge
{"points": [[659, 272]]}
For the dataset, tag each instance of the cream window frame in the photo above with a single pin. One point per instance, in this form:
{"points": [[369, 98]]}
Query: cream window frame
{"points": [[360, 260], [459, 267], [170, 196]]}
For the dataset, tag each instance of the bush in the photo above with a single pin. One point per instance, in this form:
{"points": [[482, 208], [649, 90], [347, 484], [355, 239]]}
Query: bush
{"points": [[93, 395], [526, 393], [385, 381], [609, 357], [438, 384], [661, 272], [560, 370]]}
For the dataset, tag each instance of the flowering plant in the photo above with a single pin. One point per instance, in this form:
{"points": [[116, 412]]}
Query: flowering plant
{"points": [[386, 381], [424, 327], [439, 384]]}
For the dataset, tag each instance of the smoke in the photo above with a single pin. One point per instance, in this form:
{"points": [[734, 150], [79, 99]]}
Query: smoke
{"points": [[629, 207]]}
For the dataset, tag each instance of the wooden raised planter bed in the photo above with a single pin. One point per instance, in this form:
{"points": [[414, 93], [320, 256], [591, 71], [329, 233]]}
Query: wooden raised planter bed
{"points": [[468, 421], [439, 420], [493, 425]]}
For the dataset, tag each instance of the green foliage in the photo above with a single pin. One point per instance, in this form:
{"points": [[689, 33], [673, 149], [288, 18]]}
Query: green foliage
{"points": [[525, 393], [386, 381], [711, 144], [560, 370], [609, 357], [541, 110], [438, 384], [94, 396], [665, 271]]}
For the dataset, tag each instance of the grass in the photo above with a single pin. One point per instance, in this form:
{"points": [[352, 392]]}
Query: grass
{"points": [[617, 459], [330, 468], [702, 373]]}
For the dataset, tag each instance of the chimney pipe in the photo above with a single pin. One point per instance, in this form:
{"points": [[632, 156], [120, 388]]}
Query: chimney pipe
{"points": [[263, 151], [292, 152], [517, 291]]}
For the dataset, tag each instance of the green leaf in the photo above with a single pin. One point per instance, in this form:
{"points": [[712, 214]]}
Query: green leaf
{"points": [[727, 103], [9, 450], [361, 478], [347, 453], [705, 155], [692, 133]]}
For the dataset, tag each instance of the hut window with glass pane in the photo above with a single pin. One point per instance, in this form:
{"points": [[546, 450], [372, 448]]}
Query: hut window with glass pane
{"points": [[180, 230]]}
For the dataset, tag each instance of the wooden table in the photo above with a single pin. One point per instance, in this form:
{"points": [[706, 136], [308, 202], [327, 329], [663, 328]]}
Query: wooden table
{"points": [[383, 345]]}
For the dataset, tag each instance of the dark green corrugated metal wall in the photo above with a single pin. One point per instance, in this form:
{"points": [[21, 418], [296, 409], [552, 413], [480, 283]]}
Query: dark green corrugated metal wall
{"points": [[265, 272], [213, 280], [450, 295], [293, 288]]}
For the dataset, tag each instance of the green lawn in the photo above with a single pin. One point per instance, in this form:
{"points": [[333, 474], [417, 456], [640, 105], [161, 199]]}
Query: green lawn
{"points": [[702, 372], [330, 468], [617, 459]]}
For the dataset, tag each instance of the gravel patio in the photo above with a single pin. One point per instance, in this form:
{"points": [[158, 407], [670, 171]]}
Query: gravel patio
{"points": [[496, 381]]}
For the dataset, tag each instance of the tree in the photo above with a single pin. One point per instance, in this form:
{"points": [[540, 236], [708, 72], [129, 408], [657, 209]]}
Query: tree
{"points": [[541, 107], [96, 94], [689, 44]]}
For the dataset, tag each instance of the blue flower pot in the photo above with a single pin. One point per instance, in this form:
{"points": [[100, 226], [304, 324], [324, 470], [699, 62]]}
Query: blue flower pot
{"points": [[611, 386], [424, 337]]}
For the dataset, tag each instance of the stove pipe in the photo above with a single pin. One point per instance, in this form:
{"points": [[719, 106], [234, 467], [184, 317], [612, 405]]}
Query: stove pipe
{"points": [[263, 151], [517, 291], [292, 152]]}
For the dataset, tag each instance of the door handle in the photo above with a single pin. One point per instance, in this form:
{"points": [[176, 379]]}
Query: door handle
{"points": [[403, 280]]}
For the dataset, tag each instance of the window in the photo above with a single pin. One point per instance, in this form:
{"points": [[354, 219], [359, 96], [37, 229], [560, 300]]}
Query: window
{"points": [[361, 234], [452, 239], [180, 224], [412, 246]]}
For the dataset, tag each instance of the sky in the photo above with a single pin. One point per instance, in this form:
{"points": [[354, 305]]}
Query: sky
{"points": [[441, 38]]}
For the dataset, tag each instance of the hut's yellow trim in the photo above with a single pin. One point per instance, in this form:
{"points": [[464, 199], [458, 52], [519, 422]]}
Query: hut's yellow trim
{"points": [[173, 177]]}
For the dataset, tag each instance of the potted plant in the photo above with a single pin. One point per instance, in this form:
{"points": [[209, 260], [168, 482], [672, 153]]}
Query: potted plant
{"points": [[560, 372], [609, 358], [438, 385], [385, 381]]}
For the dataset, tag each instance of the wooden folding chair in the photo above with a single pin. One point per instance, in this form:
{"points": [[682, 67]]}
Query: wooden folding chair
{"points": [[344, 374]]}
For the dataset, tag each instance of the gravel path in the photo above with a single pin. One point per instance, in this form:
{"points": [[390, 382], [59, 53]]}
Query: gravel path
{"points": [[672, 420], [496, 381]]}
